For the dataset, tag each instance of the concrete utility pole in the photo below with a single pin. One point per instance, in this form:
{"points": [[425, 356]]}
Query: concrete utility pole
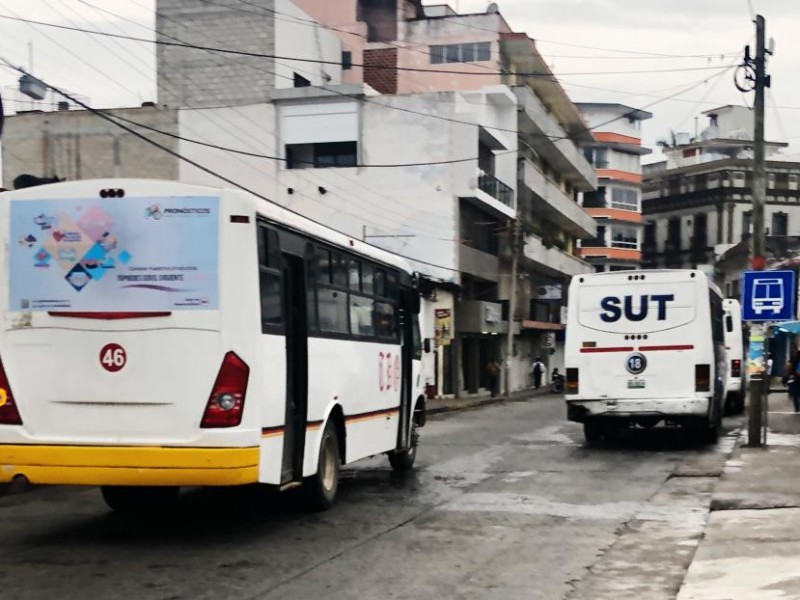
{"points": [[756, 433], [512, 307]]}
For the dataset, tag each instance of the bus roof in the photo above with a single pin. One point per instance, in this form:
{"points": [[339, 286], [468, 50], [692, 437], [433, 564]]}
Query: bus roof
{"points": [[265, 208], [713, 286]]}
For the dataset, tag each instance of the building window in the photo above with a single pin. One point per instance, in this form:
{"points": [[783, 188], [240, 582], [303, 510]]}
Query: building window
{"points": [[793, 182], [596, 199], [747, 224], [770, 181], [320, 156], [625, 199], [347, 60], [624, 237], [673, 234], [700, 234], [597, 157], [738, 179], [461, 53], [712, 181], [300, 81], [780, 224]]}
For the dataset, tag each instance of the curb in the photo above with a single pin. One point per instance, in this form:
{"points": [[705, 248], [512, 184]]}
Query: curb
{"points": [[459, 405]]}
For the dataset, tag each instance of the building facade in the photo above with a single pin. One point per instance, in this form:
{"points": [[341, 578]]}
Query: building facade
{"points": [[616, 205], [697, 203], [413, 128]]}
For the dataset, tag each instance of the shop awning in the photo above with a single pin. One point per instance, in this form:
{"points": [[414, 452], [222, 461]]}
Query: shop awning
{"points": [[792, 327], [542, 326]]}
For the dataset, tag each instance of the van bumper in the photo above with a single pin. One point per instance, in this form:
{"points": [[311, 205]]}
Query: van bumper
{"points": [[128, 465], [679, 408]]}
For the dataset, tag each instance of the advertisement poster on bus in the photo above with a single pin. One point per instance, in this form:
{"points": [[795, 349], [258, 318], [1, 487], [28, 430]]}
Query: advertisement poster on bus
{"points": [[114, 254]]}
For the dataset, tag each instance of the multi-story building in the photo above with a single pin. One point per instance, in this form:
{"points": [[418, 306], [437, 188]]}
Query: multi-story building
{"points": [[423, 142], [616, 205], [697, 202]]}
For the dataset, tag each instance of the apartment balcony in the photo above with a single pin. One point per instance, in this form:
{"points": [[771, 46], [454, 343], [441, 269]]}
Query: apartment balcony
{"points": [[478, 263], [550, 203], [548, 139], [592, 250], [553, 261], [476, 316], [496, 189]]}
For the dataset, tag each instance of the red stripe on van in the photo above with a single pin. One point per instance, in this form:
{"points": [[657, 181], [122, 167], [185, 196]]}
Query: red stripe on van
{"points": [[109, 316], [612, 349], [659, 348]]}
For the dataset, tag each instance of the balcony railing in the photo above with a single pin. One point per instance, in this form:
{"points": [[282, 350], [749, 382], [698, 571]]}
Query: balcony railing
{"points": [[632, 245], [496, 188]]}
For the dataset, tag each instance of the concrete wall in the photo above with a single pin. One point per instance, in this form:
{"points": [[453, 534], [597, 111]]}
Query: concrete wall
{"points": [[296, 36], [189, 77], [610, 119], [79, 145]]}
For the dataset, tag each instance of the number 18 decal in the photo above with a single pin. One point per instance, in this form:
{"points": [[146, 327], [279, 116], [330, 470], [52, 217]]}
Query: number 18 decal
{"points": [[113, 357]]}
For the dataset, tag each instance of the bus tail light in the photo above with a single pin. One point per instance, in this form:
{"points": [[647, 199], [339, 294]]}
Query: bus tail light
{"points": [[9, 415], [571, 386], [736, 368], [702, 378], [226, 402]]}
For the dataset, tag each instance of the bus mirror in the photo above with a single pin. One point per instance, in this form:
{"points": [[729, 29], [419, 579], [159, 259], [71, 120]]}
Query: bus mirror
{"points": [[426, 345], [417, 304]]}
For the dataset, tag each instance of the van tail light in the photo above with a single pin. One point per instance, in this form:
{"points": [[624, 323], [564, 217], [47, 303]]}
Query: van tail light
{"points": [[571, 384], [9, 415], [736, 368], [702, 378], [226, 402]]}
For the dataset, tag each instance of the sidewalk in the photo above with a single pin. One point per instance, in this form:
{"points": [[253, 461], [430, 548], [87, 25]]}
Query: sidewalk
{"points": [[443, 405], [751, 544]]}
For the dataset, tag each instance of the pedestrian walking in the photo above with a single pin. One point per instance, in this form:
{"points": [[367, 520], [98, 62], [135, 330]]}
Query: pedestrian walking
{"points": [[537, 370], [791, 377], [493, 369]]}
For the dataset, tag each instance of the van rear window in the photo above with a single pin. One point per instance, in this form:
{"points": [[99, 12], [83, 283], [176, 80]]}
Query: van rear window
{"points": [[114, 254]]}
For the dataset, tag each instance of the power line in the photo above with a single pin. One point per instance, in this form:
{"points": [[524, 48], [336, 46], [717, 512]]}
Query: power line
{"points": [[338, 63]]}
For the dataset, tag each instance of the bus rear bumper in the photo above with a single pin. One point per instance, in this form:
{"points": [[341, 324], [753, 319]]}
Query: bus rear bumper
{"points": [[128, 465], [678, 408]]}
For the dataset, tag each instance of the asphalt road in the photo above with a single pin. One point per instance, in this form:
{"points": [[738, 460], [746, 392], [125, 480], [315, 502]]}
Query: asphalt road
{"points": [[507, 503]]}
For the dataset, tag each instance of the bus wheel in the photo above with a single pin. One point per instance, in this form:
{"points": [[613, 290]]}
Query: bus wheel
{"points": [[131, 499], [593, 432], [403, 460], [320, 489]]}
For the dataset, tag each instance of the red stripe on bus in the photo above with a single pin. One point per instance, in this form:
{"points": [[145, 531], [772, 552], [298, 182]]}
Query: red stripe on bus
{"points": [[617, 349], [109, 316], [658, 348]]}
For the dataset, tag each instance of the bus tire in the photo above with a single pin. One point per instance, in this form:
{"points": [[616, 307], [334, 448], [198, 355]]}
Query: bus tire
{"points": [[593, 432], [402, 461], [734, 403], [139, 500], [320, 489]]}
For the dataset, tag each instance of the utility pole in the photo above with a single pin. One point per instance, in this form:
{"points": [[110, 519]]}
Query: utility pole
{"points": [[512, 306], [757, 80]]}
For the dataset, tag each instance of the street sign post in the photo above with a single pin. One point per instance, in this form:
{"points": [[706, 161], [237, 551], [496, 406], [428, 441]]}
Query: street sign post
{"points": [[768, 295]]}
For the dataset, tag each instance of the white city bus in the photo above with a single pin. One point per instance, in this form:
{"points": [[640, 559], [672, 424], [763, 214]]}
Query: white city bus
{"points": [[734, 347], [644, 347], [159, 335]]}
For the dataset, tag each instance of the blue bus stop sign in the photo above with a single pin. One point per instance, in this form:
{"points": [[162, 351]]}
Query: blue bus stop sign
{"points": [[768, 295]]}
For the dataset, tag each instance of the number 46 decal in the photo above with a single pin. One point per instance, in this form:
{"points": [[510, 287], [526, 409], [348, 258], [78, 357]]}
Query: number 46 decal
{"points": [[113, 357], [388, 371]]}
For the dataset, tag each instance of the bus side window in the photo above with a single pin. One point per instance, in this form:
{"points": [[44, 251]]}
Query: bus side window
{"points": [[269, 280], [417, 339], [729, 323], [311, 288], [385, 320]]}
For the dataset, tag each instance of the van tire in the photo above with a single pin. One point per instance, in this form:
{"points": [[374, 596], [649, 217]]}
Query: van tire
{"points": [[593, 432], [402, 461], [139, 500], [321, 488]]}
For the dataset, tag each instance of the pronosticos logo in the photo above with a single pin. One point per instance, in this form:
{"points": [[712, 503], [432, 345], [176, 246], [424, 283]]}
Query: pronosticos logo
{"points": [[615, 307], [153, 212]]}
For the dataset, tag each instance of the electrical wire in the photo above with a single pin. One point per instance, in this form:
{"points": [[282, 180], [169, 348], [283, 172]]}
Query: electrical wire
{"points": [[338, 63]]}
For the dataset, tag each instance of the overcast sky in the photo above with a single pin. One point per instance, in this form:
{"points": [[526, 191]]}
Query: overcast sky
{"points": [[585, 41]]}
